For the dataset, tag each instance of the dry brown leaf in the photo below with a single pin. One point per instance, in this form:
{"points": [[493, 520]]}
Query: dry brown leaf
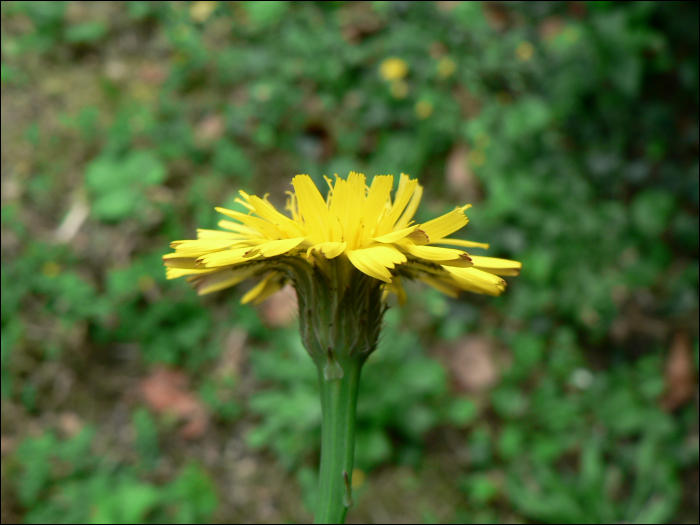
{"points": [[550, 28], [460, 176], [680, 372], [496, 15], [153, 74], [7, 445], [70, 424], [472, 364], [469, 102], [165, 391], [447, 6], [210, 129], [233, 356], [280, 309], [357, 19], [73, 220]]}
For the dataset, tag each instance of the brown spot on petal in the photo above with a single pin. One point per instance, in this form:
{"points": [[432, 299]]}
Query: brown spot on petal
{"points": [[419, 237]]}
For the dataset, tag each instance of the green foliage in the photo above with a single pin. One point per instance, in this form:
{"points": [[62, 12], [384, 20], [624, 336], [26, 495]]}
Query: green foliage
{"points": [[589, 449], [146, 442], [119, 183], [89, 32], [219, 396], [61, 481]]}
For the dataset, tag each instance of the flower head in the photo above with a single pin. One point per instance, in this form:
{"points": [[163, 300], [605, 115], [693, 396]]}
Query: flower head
{"points": [[354, 229], [393, 69]]}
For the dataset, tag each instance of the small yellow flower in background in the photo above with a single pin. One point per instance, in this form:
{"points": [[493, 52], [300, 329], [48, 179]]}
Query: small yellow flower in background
{"points": [[482, 141], [424, 109], [361, 227], [262, 92], [146, 283], [358, 478], [504, 98], [477, 157], [393, 69], [201, 11], [446, 67], [399, 89], [50, 269], [524, 51]]}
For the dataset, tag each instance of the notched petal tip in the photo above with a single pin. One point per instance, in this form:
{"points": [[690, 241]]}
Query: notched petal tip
{"points": [[419, 237]]}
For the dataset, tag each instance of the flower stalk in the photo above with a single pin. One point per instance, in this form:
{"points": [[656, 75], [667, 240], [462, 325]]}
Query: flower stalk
{"points": [[340, 319], [338, 404]]}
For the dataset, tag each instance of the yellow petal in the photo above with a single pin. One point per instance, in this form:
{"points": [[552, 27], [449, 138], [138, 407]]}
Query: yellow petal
{"points": [[244, 203], [460, 242], [218, 234], [175, 260], [395, 236], [445, 225], [410, 210], [225, 258], [403, 195], [174, 273], [477, 280], [268, 212], [272, 283], [266, 228], [446, 286], [238, 228], [339, 209], [396, 288], [375, 204], [218, 280], [347, 204], [273, 248], [419, 237], [375, 260], [329, 249], [435, 253], [497, 266], [202, 246], [312, 207]]}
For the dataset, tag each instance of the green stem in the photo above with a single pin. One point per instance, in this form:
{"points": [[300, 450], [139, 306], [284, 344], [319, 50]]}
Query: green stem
{"points": [[338, 404]]}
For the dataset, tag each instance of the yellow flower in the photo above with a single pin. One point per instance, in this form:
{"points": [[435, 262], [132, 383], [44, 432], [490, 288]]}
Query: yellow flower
{"points": [[524, 51], [393, 69], [424, 109], [399, 89], [360, 228], [446, 67], [201, 11]]}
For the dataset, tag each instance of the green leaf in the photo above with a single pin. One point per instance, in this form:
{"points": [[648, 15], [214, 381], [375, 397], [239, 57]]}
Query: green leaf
{"points": [[86, 33], [652, 211], [116, 205]]}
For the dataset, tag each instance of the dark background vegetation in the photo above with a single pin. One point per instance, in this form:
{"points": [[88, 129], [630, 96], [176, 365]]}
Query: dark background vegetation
{"points": [[571, 126]]}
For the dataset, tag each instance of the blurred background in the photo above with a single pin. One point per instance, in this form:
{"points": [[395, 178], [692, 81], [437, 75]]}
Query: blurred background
{"points": [[572, 127]]}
